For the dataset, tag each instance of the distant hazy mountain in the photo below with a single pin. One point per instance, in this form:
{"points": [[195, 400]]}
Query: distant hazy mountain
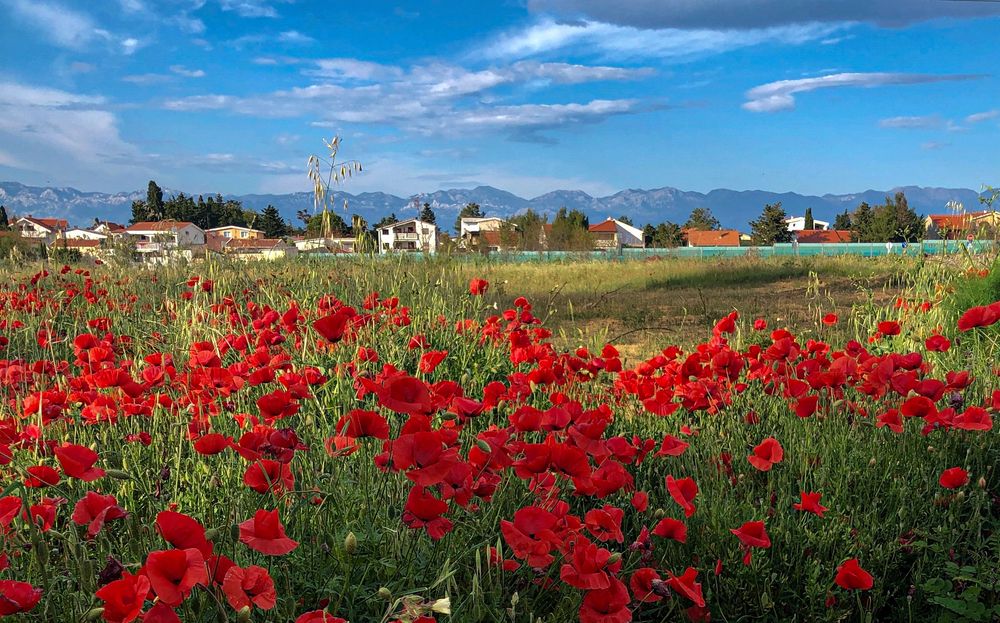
{"points": [[733, 208]]}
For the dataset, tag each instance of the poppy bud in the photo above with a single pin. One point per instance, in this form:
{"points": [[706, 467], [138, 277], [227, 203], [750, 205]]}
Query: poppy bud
{"points": [[960, 496], [93, 614], [872, 462], [982, 482], [659, 513], [350, 543], [211, 534], [384, 593], [930, 448], [614, 558], [243, 616], [448, 415], [118, 474], [484, 445]]}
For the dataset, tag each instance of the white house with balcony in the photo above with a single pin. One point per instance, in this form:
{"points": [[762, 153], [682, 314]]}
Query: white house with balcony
{"points": [[798, 223], [157, 236], [78, 233], [41, 229], [412, 235]]}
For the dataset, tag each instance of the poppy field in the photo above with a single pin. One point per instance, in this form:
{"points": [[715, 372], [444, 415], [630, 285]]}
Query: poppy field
{"points": [[374, 442]]}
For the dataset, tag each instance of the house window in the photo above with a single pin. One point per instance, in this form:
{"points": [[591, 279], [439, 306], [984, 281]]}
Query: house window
{"points": [[227, 234], [243, 234], [385, 232]]}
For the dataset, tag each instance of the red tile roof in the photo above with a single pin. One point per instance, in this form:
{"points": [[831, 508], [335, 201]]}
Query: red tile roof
{"points": [[49, 223], [823, 236], [76, 243], [158, 226], [954, 221], [605, 227], [713, 238]]}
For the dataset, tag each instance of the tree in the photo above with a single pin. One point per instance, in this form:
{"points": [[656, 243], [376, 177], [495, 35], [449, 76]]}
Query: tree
{"points": [[427, 214], [625, 219], [385, 221], [470, 210], [771, 226], [648, 233], [893, 221], [569, 231], [843, 221], [4, 219], [668, 235], [702, 218], [272, 224], [154, 201], [861, 223], [524, 231], [810, 221]]}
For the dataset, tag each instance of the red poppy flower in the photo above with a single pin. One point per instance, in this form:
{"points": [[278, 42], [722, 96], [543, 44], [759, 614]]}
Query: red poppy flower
{"points": [[333, 327], [608, 605], [123, 598], [937, 343], [953, 478], [265, 534], [587, 566], [41, 476], [212, 443], [531, 535], [852, 577], [672, 446], [478, 287], [670, 528], [605, 523], [683, 491], [752, 534], [161, 613], [810, 504], [983, 316], [767, 454], [266, 475], [423, 510], [641, 584], [94, 509], [18, 597], [252, 586], [78, 462], [360, 423], [174, 573], [430, 360], [686, 584], [974, 418], [404, 394], [888, 327], [183, 532], [830, 319]]}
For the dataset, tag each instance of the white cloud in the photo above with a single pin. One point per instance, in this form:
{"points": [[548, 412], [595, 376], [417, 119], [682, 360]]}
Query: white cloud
{"points": [[44, 127], [927, 121], [611, 41], [146, 79], [294, 37], [983, 116], [130, 45], [434, 98], [133, 6], [759, 13], [181, 70], [250, 8], [59, 24], [779, 95]]}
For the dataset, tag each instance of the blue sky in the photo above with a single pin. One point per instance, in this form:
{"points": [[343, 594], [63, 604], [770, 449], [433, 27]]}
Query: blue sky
{"points": [[530, 96]]}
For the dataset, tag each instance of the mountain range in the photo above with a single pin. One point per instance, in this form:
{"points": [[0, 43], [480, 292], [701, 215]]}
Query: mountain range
{"points": [[734, 209]]}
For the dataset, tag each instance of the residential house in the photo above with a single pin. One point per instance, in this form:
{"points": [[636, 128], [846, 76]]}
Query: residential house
{"points": [[236, 232], [108, 229], [325, 245], [411, 235], [82, 245], [481, 233], [712, 238], [157, 236], [798, 223], [959, 226], [78, 233], [822, 236], [42, 229], [614, 234], [259, 249]]}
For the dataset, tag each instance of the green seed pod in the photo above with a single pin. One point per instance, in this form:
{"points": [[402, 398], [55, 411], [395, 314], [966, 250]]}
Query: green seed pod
{"points": [[659, 513], [93, 614], [384, 593], [350, 543], [118, 474], [484, 445], [211, 534]]}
